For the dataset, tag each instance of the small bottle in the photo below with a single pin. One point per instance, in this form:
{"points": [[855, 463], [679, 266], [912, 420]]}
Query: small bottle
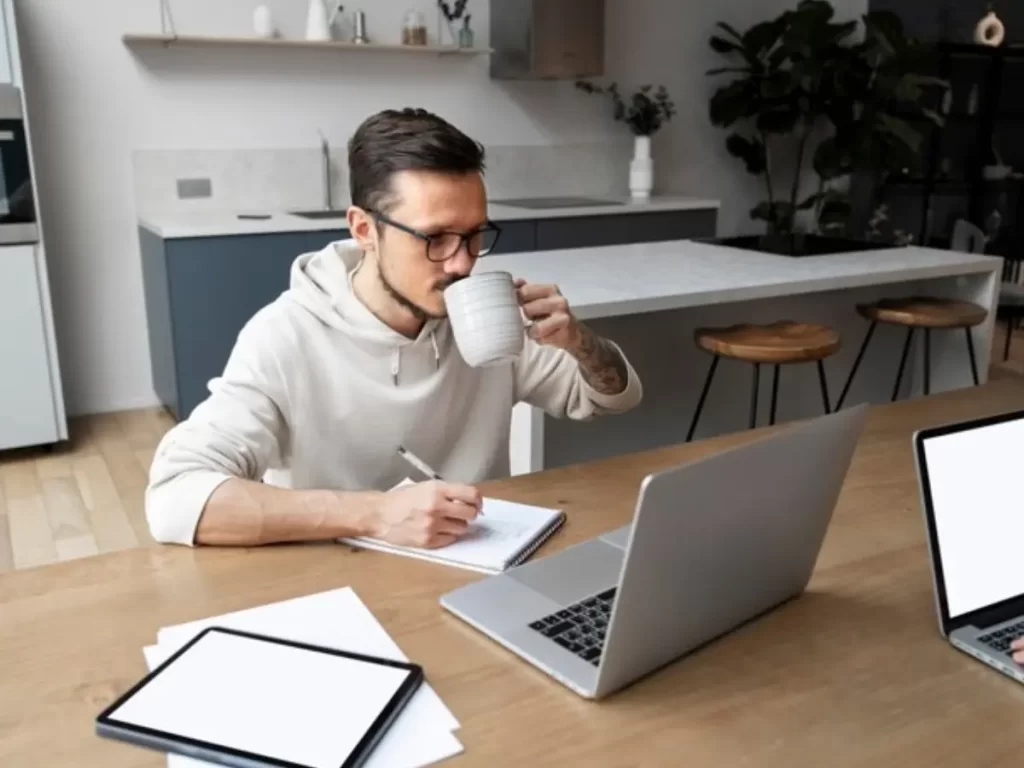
{"points": [[414, 29], [466, 34]]}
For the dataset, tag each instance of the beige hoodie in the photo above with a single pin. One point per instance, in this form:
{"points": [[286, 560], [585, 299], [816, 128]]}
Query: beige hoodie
{"points": [[318, 393]]}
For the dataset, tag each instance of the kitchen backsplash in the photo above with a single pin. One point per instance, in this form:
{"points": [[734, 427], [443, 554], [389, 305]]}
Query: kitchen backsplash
{"points": [[292, 179]]}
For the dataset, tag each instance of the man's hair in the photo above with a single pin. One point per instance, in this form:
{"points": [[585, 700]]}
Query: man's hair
{"points": [[405, 140]]}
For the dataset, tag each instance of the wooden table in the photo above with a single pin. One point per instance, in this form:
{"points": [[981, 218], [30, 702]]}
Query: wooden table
{"points": [[854, 673]]}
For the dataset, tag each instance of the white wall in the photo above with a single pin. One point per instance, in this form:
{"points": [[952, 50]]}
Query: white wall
{"points": [[92, 103]]}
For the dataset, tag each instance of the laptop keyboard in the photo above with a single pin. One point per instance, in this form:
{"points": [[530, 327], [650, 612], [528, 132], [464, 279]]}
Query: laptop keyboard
{"points": [[580, 627], [1001, 639]]}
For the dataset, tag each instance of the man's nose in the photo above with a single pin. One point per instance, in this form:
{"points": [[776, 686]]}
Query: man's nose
{"points": [[459, 264]]}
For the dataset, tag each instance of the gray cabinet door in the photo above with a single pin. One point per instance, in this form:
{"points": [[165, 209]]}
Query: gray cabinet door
{"points": [[617, 229], [215, 285], [27, 415], [516, 237]]}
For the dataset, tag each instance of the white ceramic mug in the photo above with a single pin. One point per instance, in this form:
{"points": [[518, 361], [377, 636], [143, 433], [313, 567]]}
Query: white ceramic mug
{"points": [[485, 316]]}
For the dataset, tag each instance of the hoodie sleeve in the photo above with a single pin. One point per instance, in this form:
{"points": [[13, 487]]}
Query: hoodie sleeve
{"points": [[237, 431], [550, 379]]}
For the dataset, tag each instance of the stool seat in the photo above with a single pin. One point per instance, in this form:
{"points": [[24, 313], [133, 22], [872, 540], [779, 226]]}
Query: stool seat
{"points": [[781, 342], [924, 312]]}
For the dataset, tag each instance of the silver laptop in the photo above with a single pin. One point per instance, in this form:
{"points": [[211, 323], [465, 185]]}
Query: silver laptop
{"points": [[969, 477], [712, 545]]}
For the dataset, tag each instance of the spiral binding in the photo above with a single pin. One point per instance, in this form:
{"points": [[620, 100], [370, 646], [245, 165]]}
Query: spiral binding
{"points": [[543, 536]]}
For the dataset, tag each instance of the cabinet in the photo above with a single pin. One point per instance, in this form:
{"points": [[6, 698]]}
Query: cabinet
{"points": [[200, 291], [30, 401]]}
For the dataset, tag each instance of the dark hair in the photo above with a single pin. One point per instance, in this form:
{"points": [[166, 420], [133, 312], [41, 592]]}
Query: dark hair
{"points": [[405, 140]]}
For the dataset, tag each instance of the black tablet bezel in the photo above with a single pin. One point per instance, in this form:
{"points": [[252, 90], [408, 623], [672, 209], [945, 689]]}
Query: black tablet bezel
{"points": [[108, 726], [987, 615]]}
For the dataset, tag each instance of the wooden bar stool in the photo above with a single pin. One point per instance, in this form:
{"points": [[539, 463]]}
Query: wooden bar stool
{"points": [[780, 343], [927, 313]]}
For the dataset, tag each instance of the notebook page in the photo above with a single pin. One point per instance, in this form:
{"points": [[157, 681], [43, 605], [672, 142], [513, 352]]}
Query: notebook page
{"points": [[493, 540]]}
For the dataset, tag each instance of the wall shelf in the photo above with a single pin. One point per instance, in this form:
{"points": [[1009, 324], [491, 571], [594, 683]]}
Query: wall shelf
{"points": [[140, 41]]}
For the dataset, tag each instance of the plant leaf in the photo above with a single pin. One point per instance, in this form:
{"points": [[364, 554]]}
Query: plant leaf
{"points": [[750, 151]]}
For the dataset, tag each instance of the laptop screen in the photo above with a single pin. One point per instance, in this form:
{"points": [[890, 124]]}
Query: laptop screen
{"points": [[974, 479]]}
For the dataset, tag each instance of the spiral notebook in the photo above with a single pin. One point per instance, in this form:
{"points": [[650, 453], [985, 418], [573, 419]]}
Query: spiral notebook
{"points": [[504, 536]]}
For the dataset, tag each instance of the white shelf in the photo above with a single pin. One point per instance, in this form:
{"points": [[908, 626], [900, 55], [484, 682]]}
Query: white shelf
{"points": [[166, 41]]}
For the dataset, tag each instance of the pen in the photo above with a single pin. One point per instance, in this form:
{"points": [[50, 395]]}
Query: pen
{"points": [[421, 465], [417, 462]]}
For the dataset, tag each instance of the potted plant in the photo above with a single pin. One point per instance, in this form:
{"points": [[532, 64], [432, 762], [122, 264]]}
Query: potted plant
{"points": [[806, 87], [647, 110]]}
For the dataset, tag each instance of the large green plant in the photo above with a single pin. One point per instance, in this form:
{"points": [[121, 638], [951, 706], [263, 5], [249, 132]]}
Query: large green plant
{"points": [[804, 77]]}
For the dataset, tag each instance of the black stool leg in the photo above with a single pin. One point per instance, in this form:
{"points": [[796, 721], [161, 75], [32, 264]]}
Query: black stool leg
{"points": [[903, 363], [970, 351], [1009, 338], [856, 364], [824, 385], [703, 396], [775, 393], [753, 395], [927, 361]]}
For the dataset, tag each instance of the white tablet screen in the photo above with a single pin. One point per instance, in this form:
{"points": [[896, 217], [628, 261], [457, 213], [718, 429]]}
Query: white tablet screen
{"points": [[278, 701]]}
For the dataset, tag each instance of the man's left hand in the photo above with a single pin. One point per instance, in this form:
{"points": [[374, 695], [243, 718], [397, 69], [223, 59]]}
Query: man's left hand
{"points": [[553, 322]]}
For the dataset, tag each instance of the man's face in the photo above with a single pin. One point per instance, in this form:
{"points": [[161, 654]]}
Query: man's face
{"points": [[431, 203]]}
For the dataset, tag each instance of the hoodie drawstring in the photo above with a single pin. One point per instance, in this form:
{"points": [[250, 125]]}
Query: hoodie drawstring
{"points": [[396, 359]]}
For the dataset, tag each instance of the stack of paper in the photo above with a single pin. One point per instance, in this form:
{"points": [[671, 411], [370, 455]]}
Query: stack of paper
{"points": [[422, 734]]}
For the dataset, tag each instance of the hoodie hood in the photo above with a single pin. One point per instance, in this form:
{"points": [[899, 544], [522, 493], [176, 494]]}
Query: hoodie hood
{"points": [[321, 282]]}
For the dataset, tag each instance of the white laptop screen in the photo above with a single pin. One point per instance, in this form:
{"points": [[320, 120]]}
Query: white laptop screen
{"points": [[974, 478]]}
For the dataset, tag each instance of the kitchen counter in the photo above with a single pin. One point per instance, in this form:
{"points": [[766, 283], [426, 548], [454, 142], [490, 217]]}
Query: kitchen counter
{"points": [[646, 277], [183, 224]]}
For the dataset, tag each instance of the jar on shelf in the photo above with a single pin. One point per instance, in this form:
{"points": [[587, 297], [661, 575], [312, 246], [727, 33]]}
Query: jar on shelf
{"points": [[414, 29]]}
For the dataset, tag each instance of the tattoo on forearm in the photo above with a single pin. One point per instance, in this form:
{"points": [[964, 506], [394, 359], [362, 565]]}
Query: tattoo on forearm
{"points": [[601, 365]]}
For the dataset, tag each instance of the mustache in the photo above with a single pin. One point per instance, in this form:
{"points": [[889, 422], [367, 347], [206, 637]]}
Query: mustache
{"points": [[445, 282]]}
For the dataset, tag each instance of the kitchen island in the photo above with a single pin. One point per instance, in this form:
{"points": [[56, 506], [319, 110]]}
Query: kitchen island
{"points": [[650, 297]]}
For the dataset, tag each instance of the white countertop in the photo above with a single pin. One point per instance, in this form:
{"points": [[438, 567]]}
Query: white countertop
{"points": [[627, 279], [216, 223]]}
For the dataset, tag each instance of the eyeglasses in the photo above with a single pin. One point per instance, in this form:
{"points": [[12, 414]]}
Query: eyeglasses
{"points": [[442, 246]]}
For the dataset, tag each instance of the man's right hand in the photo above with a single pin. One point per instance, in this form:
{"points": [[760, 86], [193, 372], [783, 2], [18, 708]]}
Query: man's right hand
{"points": [[430, 515]]}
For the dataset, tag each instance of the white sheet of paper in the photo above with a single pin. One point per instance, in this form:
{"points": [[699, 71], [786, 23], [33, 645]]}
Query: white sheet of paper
{"points": [[339, 619]]}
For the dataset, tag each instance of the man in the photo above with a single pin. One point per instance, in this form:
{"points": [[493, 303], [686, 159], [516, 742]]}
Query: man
{"points": [[298, 440]]}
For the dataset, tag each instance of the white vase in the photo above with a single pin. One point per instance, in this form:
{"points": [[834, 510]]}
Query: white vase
{"points": [[641, 169]]}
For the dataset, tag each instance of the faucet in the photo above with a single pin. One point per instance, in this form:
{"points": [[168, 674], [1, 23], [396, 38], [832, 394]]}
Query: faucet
{"points": [[325, 151]]}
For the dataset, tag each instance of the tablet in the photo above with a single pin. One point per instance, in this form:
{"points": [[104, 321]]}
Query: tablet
{"points": [[243, 699]]}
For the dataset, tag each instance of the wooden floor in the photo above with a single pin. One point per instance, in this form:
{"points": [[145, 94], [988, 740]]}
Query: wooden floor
{"points": [[87, 497], [81, 499]]}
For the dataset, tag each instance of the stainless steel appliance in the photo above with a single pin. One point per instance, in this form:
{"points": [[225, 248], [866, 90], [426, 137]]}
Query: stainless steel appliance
{"points": [[18, 221], [547, 39]]}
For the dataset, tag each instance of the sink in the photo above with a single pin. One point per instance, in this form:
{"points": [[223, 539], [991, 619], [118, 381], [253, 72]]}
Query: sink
{"points": [[320, 214], [555, 202]]}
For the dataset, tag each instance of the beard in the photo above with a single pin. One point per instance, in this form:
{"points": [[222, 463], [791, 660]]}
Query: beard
{"points": [[420, 313]]}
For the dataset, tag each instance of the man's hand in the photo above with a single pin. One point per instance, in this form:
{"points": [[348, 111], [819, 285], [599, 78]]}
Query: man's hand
{"points": [[553, 324], [1017, 646], [431, 514]]}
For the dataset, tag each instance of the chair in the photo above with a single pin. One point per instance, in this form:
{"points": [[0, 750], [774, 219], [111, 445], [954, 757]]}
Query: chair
{"points": [[915, 313], [776, 344]]}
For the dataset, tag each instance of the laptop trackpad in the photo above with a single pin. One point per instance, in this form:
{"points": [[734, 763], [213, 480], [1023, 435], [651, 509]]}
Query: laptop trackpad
{"points": [[573, 573]]}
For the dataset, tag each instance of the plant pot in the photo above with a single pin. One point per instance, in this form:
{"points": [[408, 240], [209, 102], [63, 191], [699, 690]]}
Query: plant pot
{"points": [[799, 244], [641, 169]]}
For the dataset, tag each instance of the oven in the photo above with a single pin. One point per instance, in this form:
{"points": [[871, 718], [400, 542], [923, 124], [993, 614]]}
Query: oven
{"points": [[18, 221]]}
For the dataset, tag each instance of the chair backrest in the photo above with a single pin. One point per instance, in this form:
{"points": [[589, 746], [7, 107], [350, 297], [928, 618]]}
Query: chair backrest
{"points": [[967, 237]]}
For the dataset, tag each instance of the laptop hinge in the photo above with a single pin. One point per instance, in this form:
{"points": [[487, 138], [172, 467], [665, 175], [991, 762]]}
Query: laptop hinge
{"points": [[987, 617]]}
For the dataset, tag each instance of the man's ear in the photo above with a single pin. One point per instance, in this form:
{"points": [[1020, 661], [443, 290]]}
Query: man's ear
{"points": [[361, 226]]}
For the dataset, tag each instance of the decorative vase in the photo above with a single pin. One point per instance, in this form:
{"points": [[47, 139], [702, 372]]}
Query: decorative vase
{"points": [[990, 30], [641, 169], [263, 22]]}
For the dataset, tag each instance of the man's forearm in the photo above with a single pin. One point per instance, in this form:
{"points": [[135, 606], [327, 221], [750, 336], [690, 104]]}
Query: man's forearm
{"points": [[247, 513], [601, 365]]}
